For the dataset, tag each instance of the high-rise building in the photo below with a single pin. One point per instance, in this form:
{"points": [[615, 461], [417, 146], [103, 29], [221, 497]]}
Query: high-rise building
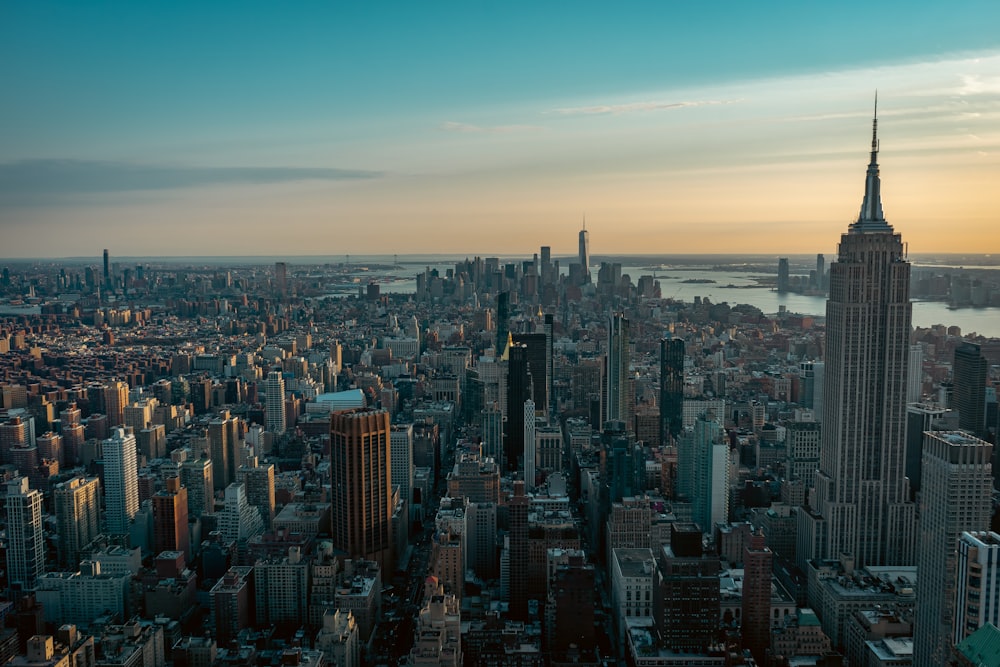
{"points": [[78, 517], [170, 518], [811, 378], [956, 481], [782, 274], [686, 591], [518, 560], [619, 406], [275, 402], [671, 388], [820, 272], [538, 366], [107, 270], [401, 455], [114, 399], [584, 253], [970, 372], [503, 322], [518, 391], [703, 470], [224, 441], [915, 381], [530, 445], [258, 480], [240, 520], [121, 481], [862, 503], [755, 627], [361, 485], [196, 476], [976, 583], [25, 538], [281, 279]]}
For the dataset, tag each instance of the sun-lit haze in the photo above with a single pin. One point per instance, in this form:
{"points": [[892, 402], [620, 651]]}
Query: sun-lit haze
{"points": [[264, 129]]}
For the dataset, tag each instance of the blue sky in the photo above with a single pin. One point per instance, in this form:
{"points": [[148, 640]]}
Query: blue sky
{"points": [[213, 123]]}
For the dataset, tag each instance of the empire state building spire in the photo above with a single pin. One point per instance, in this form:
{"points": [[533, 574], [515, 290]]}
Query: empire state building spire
{"points": [[871, 217]]}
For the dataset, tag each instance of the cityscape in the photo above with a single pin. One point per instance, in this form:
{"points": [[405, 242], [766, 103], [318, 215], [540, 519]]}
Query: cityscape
{"points": [[506, 335]]}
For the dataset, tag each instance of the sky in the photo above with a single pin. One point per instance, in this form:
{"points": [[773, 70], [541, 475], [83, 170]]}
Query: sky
{"points": [[333, 128]]}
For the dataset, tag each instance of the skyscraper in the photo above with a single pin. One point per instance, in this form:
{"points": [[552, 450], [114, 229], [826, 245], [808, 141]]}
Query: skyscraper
{"points": [[518, 391], [121, 481], [584, 255], [258, 481], [538, 358], [25, 538], [170, 519], [756, 602], [275, 402], [78, 517], [196, 476], [361, 485], [530, 448], [970, 371], [503, 322], [619, 405], [861, 499], [703, 470], [281, 279], [224, 439], [518, 563], [976, 582], [107, 270], [782, 274], [956, 481], [401, 454], [671, 388]]}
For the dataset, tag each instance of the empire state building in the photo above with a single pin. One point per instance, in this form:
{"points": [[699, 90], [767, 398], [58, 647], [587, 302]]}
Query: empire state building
{"points": [[861, 506]]}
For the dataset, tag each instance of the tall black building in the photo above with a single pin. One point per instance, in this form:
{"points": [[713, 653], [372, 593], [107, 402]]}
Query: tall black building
{"points": [[538, 366], [519, 387], [107, 270], [503, 321], [970, 370], [686, 602], [671, 388]]}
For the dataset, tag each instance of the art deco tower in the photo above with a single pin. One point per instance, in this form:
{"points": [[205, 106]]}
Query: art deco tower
{"points": [[861, 503]]}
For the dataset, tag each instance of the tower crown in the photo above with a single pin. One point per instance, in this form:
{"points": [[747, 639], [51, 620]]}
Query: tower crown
{"points": [[871, 218]]}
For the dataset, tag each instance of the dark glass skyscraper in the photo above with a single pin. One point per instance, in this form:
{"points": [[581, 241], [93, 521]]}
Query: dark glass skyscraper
{"points": [[503, 321], [671, 388], [969, 378], [518, 391]]}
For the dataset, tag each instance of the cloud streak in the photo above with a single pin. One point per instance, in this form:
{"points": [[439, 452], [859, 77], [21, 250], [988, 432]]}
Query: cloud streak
{"points": [[39, 178], [634, 107], [466, 128]]}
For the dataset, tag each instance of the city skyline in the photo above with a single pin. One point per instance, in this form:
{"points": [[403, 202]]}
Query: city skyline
{"points": [[167, 132]]}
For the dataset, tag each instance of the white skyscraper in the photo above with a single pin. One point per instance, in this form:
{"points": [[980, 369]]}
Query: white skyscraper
{"points": [[25, 539], [861, 505], [121, 481], [978, 582], [529, 445], [274, 405], [401, 460], [955, 487]]}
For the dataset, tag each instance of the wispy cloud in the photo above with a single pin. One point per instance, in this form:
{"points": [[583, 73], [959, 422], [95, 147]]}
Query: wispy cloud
{"points": [[26, 178], [466, 128], [634, 107]]}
